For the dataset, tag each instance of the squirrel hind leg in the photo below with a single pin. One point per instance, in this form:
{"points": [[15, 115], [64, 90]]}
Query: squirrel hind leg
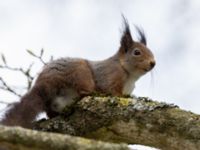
{"points": [[66, 99]]}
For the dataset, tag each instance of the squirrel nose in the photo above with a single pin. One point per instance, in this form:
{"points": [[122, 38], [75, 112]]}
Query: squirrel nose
{"points": [[152, 64]]}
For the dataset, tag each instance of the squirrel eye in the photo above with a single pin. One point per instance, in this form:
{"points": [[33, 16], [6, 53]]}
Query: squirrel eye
{"points": [[136, 52]]}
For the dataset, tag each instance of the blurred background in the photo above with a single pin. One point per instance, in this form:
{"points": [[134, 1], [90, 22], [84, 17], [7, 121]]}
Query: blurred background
{"points": [[92, 29]]}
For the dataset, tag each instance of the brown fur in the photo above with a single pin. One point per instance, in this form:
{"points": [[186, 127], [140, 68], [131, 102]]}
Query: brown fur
{"points": [[115, 75], [25, 111]]}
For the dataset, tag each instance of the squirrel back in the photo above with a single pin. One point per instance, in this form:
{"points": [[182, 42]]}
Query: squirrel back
{"points": [[63, 80]]}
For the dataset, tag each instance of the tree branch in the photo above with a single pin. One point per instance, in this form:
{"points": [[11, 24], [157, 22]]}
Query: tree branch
{"points": [[39, 57], [6, 87], [18, 138], [130, 120], [25, 72]]}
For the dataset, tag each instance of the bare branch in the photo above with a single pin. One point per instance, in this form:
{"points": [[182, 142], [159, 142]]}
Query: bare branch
{"points": [[6, 103], [6, 87], [41, 52], [3, 59], [39, 57], [29, 77], [51, 58], [26, 73]]}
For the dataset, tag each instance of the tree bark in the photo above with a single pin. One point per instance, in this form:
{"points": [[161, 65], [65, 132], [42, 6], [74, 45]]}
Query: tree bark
{"points": [[17, 138], [130, 120]]}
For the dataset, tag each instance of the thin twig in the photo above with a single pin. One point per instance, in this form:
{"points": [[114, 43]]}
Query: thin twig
{"points": [[39, 57], [6, 87], [26, 73], [29, 77], [6, 103]]}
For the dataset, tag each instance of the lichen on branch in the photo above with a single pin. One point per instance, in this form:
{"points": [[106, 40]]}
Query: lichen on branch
{"points": [[23, 139], [129, 120]]}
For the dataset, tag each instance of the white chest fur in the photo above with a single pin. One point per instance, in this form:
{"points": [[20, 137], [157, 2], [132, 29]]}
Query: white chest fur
{"points": [[129, 85]]}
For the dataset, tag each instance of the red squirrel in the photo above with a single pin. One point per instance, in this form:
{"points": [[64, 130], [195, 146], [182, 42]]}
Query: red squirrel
{"points": [[64, 79]]}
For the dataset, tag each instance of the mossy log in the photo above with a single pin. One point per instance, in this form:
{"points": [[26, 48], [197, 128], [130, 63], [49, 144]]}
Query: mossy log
{"points": [[129, 120], [17, 138]]}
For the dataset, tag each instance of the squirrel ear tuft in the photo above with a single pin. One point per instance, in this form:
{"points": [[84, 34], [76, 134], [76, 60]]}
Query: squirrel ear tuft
{"points": [[142, 36], [126, 39]]}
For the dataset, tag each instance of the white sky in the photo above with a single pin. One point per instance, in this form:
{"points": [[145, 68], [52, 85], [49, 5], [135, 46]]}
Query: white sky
{"points": [[91, 29]]}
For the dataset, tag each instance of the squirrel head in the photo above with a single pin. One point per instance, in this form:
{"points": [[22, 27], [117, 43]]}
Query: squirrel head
{"points": [[135, 57]]}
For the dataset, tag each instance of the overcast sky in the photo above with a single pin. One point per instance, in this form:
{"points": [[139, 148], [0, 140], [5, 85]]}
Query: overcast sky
{"points": [[91, 29]]}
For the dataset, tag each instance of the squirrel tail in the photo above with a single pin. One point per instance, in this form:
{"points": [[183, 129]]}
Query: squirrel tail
{"points": [[24, 112]]}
